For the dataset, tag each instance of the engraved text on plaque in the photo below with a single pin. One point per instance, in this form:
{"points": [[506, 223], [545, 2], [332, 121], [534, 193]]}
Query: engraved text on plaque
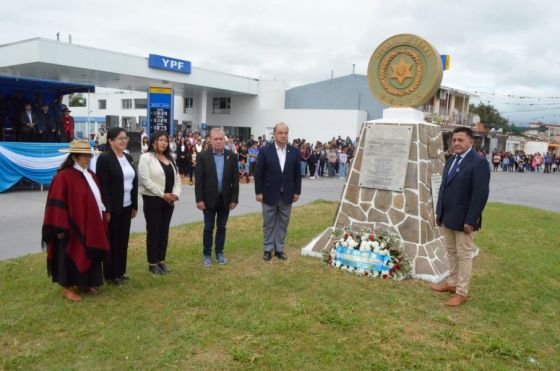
{"points": [[386, 150]]}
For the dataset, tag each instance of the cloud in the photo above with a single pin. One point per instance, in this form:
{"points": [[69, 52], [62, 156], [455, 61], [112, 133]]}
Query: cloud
{"points": [[498, 45]]}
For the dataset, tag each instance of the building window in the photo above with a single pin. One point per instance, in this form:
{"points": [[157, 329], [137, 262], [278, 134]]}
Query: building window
{"points": [[188, 104], [102, 103], [222, 105], [126, 103], [140, 103]]}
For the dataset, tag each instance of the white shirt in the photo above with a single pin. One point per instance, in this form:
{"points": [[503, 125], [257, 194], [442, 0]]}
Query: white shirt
{"points": [[281, 155], [93, 187], [128, 177]]}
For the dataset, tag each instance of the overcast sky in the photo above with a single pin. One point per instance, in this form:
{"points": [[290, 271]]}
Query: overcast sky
{"points": [[498, 47]]}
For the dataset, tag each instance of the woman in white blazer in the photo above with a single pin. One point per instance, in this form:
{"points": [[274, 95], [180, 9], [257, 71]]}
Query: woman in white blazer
{"points": [[160, 186]]}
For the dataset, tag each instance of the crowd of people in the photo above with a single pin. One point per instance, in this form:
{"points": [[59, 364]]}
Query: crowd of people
{"points": [[322, 159], [522, 162], [35, 120]]}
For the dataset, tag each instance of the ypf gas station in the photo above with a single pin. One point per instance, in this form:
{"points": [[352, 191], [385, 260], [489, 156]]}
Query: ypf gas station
{"points": [[219, 99]]}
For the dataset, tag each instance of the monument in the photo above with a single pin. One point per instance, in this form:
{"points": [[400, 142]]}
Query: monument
{"points": [[399, 159]]}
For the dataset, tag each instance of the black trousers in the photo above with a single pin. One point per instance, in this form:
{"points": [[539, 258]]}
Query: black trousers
{"points": [[119, 232], [158, 215], [312, 166], [216, 216]]}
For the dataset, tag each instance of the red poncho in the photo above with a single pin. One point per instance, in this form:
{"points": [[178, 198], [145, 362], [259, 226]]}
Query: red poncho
{"points": [[72, 209]]}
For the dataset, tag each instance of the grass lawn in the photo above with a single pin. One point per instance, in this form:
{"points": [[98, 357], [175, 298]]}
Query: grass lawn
{"points": [[297, 314]]}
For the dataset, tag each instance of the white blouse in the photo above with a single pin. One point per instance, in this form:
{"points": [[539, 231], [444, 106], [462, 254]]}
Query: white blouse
{"points": [[128, 177], [93, 187]]}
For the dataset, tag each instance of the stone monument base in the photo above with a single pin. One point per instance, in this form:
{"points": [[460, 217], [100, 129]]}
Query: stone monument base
{"points": [[409, 213]]}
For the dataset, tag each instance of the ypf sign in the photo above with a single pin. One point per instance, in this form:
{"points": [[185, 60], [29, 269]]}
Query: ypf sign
{"points": [[169, 64]]}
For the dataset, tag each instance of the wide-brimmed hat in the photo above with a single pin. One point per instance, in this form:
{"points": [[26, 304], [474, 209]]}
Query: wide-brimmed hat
{"points": [[79, 147]]}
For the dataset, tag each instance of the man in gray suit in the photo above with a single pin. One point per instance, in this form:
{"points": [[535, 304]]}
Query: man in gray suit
{"points": [[277, 186]]}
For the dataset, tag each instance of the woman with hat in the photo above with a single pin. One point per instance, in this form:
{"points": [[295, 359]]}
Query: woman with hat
{"points": [[75, 224], [119, 187], [160, 186]]}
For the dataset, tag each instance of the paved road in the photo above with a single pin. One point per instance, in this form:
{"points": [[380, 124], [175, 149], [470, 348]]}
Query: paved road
{"points": [[22, 211]]}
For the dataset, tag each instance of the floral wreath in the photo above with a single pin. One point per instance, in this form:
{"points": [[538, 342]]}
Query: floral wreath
{"points": [[368, 253]]}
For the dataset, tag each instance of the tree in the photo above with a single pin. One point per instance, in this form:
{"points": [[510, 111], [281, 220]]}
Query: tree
{"points": [[77, 100], [489, 116]]}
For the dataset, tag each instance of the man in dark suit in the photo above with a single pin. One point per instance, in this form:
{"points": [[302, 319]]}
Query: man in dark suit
{"points": [[462, 197], [46, 127], [217, 192], [277, 186], [28, 123]]}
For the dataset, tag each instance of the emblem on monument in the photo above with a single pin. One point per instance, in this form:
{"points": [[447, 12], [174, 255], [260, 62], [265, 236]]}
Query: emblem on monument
{"points": [[404, 71]]}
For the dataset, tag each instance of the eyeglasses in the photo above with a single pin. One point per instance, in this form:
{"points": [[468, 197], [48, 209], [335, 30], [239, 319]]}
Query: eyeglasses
{"points": [[122, 138]]}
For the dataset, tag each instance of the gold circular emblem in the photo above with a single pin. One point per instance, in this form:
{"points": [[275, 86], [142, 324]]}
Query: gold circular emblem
{"points": [[404, 71]]}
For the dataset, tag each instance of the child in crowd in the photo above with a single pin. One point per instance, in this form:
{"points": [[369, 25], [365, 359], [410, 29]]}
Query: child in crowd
{"points": [[244, 170]]}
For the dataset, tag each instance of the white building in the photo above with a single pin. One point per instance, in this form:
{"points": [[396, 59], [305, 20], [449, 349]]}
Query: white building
{"points": [[241, 105]]}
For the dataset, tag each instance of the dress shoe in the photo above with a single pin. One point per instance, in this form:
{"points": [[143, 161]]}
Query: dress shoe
{"points": [[456, 300], [155, 269], [164, 268], [280, 255], [90, 290], [71, 295], [442, 287], [124, 278], [267, 256]]}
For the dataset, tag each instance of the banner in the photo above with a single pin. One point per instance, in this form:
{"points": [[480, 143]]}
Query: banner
{"points": [[37, 162], [366, 260]]}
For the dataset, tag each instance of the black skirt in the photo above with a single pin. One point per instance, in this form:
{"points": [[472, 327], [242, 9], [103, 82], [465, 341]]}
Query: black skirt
{"points": [[63, 270]]}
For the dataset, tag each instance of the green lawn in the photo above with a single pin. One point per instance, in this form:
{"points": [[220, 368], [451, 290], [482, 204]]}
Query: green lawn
{"points": [[298, 314]]}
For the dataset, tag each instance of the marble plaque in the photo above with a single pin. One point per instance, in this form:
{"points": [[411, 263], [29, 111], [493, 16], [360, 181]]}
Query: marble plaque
{"points": [[436, 183], [385, 160]]}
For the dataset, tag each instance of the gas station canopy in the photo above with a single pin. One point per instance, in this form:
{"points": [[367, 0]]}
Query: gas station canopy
{"points": [[64, 62]]}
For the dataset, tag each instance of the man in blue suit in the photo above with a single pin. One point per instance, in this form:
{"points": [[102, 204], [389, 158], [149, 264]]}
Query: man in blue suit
{"points": [[462, 197], [277, 186]]}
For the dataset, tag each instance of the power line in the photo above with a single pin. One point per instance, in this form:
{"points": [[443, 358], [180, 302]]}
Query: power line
{"points": [[515, 96]]}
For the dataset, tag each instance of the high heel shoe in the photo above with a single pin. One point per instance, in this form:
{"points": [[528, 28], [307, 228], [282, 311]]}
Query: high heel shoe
{"points": [[164, 268], [155, 269]]}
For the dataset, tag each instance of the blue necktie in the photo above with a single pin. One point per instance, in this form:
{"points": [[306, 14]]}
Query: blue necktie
{"points": [[453, 170]]}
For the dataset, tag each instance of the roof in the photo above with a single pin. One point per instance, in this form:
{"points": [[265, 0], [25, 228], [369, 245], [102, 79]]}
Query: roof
{"points": [[359, 77], [11, 83], [60, 61]]}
